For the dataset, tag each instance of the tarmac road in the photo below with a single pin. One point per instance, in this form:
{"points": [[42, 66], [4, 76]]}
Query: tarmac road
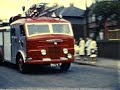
{"points": [[78, 76]]}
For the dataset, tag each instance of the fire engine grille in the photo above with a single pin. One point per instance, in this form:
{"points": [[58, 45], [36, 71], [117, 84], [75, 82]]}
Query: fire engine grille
{"points": [[54, 52]]}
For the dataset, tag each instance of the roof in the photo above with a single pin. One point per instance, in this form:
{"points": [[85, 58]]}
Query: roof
{"points": [[72, 11], [45, 10], [40, 19]]}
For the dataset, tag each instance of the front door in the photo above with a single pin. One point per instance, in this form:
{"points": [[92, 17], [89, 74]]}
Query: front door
{"points": [[14, 39]]}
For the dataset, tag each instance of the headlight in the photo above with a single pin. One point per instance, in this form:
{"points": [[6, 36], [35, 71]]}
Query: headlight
{"points": [[69, 56], [43, 52], [65, 51]]}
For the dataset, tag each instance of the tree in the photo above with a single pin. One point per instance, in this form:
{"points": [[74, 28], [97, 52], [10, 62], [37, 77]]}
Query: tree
{"points": [[106, 10]]}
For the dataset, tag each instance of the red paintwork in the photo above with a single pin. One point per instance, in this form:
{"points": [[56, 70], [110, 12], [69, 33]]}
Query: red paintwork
{"points": [[39, 20], [36, 43]]}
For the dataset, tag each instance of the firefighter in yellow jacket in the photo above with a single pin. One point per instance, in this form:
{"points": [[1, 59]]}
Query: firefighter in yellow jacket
{"points": [[82, 48], [91, 50]]}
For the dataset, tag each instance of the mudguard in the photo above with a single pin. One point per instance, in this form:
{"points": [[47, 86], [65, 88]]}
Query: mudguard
{"points": [[23, 55]]}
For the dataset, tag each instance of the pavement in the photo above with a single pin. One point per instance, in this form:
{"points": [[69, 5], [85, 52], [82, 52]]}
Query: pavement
{"points": [[100, 62]]}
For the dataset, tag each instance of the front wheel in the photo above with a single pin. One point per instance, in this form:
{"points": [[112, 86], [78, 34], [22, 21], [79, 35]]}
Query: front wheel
{"points": [[65, 66], [21, 64]]}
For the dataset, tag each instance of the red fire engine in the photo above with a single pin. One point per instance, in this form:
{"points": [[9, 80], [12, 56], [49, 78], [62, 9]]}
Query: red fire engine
{"points": [[43, 40]]}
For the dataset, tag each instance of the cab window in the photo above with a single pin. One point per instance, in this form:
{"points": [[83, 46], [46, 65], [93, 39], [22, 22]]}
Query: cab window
{"points": [[13, 32], [22, 33]]}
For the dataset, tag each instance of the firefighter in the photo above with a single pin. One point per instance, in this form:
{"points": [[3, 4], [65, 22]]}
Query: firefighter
{"points": [[82, 48], [76, 48], [87, 43], [91, 50]]}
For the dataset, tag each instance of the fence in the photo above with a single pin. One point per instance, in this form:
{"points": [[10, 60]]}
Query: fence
{"points": [[109, 49]]}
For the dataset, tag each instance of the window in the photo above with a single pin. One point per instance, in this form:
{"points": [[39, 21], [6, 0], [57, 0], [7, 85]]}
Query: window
{"points": [[13, 32], [22, 33], [48, 28], [61, 28], [114, 34], [35, 29]]}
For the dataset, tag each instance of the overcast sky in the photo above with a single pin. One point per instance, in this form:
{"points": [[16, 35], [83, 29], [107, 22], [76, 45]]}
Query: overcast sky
{"points": [[10, 8]]}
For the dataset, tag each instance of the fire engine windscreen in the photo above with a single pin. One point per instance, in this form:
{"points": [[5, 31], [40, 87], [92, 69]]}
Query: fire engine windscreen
{"points": [[37, 29], [61, 28]]}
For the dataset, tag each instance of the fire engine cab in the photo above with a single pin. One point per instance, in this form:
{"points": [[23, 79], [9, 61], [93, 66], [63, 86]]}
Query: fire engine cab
{"points": [[43, 40]]}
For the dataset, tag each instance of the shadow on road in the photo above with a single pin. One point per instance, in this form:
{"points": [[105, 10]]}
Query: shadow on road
{"points": [[36, 69]]}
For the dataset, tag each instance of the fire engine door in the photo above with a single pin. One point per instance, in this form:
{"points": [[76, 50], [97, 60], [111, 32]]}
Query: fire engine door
{"points": [[14, 39]]}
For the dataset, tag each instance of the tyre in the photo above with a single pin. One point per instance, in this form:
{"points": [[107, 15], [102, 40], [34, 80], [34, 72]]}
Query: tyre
{"points": [[21, 65], [65, 66]]}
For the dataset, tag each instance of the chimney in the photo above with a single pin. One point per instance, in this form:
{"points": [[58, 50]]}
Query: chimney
{"points": [[71, 5]]}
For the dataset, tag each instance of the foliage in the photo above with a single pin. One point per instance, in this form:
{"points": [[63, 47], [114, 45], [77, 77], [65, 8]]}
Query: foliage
{"points": [[107, 9]]}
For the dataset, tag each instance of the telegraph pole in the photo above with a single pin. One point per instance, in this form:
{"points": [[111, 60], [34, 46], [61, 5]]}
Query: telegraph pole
{"points": [[86, 20]]}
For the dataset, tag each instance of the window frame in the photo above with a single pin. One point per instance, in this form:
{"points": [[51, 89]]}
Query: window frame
{"points": [[50, 29]]}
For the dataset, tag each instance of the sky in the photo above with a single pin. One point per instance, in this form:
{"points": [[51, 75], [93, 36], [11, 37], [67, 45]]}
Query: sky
{"points": [[10, 8]]}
